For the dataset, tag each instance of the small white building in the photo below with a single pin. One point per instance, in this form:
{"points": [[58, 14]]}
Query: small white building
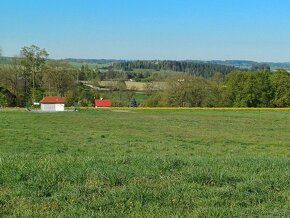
{"points": [[52, 103]]}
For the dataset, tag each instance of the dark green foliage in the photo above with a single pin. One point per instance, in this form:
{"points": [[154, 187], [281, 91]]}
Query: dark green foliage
{"points": [[249, 89], [3, 100], [7, 98], [133, 102], [280, 81], [81, 95], [237, 89], [198, 69], [86, 73], [260, 66]]}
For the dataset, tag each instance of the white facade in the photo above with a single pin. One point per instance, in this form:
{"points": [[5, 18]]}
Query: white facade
{"points": [[52, 107]]}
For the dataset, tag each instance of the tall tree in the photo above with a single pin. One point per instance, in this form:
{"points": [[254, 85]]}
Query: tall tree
{"points": [[32, 60]]}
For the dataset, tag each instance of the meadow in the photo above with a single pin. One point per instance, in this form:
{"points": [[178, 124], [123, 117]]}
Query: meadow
{"points": [[145, 163]]}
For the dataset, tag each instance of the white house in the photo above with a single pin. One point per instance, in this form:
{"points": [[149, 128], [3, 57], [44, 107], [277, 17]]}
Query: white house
{"points": [[52, 103]]}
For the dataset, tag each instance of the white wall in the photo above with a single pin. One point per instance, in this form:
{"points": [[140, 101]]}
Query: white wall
{"points": [[52, 107], [59, 107]]}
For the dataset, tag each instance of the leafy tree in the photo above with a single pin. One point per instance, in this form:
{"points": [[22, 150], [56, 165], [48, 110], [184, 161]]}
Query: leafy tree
{"points": [[281, 85], [32, 61], [187, 91], [121, 85], [154, 100], [58, 78], [10, 79], [249, 89], [71, 98], [82, 73], [217, 96]]}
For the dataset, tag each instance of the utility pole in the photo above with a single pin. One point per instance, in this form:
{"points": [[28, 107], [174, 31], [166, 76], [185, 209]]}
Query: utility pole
{"points": [[33, 86]]}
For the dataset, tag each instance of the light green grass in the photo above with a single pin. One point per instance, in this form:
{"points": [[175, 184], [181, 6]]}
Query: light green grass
{"points": [[151, 163]]}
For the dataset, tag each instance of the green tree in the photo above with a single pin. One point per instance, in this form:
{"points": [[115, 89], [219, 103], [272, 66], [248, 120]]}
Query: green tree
{"points": [[260, 67], [187, 91], [10, 79], [217, 91], [58, 78], [154, 100], [281, 86], [121, 85], [33, 60], [248, 89]]}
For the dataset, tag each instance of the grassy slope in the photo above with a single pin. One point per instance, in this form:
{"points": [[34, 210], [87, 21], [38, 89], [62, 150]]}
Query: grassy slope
{"points": [[147, 163]]}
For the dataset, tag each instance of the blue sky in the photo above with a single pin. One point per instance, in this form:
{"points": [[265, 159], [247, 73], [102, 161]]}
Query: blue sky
{"points": [[149, 29]]}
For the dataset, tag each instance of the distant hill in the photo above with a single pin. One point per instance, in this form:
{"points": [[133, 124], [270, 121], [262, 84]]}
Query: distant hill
{"points": [[92, 61], [194, 68], [235, 63], [74, 61], [5, 60], [244, 63], [249, 64]]}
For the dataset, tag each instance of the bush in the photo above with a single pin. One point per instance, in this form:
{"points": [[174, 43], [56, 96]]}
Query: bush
{"points": [[3, 100]]}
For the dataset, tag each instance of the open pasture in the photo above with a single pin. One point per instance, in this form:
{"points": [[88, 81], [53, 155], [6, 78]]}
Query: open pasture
{"points": [[145, 163]]}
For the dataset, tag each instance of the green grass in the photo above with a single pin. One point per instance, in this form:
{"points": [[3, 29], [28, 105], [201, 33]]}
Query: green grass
{"points": [[124, 96], [147, 163]]}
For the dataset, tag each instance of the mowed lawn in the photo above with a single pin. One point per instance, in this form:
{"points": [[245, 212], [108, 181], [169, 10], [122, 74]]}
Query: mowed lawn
{"points": [[145, 163]]}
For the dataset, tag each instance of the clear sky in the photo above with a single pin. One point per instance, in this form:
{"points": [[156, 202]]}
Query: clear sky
{"points": [[149, 29]]}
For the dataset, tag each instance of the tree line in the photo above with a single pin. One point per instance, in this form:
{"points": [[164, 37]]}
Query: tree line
{"points": [[197, 69], [236, 89]]}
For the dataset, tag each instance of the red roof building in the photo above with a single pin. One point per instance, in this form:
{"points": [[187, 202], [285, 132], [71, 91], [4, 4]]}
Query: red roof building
{"points": [[103, 103], [52, 103], [52, 100]]}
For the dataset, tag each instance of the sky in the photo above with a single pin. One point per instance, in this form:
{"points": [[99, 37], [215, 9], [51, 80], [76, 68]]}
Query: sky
{"points": [[149, 29]]}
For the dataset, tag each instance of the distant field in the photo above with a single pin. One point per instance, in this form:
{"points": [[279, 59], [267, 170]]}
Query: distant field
{"points": [[131, 85], [145, 163]]}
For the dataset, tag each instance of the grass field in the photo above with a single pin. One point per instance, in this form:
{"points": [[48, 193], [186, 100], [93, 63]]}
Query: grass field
{"points": [[145, 163]]}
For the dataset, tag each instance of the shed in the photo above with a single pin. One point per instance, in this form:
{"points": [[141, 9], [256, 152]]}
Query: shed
{"points": [[52, 103], [103, 103]]}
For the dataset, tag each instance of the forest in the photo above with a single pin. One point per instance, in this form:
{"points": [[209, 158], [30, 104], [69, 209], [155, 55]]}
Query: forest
{"points": [[197, 69], [31, 75]]}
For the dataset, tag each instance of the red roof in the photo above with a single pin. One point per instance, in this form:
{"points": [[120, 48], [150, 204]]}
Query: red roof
{"points": [[103, 103], [52, 100]]}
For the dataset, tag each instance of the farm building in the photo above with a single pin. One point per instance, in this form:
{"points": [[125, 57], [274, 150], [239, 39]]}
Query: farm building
{"points": [[103, 103], [52, 103]]}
